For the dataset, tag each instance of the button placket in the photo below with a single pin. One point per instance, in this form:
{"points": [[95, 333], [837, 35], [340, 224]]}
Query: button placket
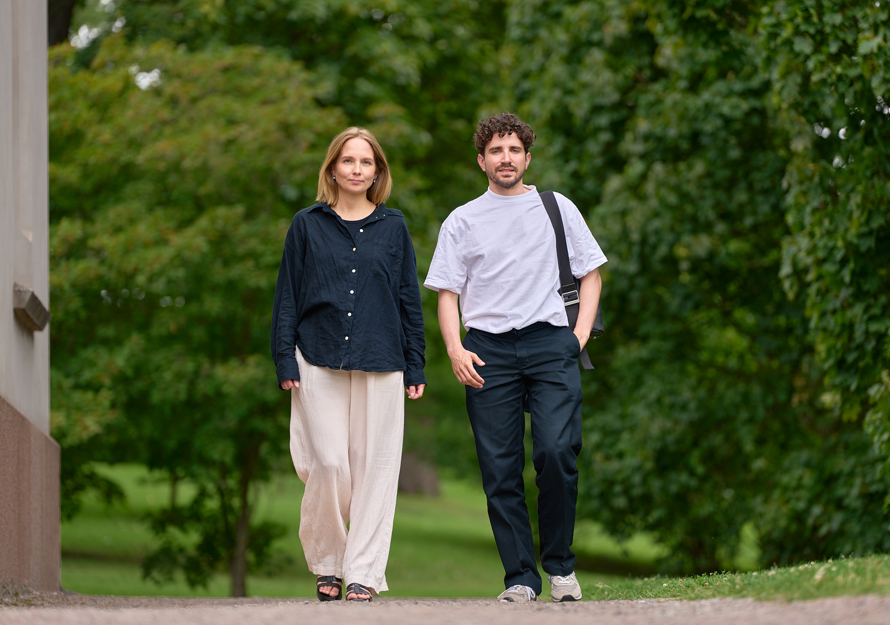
{"points": [[353, 285]]}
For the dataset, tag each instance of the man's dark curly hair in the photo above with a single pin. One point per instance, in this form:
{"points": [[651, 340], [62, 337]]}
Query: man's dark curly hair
{"points": [[503, 124]]}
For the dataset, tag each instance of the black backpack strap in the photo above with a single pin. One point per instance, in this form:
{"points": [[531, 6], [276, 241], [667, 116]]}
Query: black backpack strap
{"points": [[568, 286]]}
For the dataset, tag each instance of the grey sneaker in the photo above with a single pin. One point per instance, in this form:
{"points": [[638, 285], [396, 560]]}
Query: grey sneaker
{"points": [[564, 588], [518, 594]]}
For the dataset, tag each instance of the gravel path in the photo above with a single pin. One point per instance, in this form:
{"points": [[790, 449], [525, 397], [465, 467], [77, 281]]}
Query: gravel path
{"points": [[74, 609]]}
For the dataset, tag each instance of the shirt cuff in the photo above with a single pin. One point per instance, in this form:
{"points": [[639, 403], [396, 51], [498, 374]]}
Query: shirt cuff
{"points": [[288, 370], [437, 285], [413, 377]]}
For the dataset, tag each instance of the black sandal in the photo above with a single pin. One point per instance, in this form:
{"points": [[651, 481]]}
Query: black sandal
{"points": [[358, 589], [328, 581]]}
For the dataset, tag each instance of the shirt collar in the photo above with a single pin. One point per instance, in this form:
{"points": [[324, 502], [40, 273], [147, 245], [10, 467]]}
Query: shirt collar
{"points": [[379, 212], [531, 190]]}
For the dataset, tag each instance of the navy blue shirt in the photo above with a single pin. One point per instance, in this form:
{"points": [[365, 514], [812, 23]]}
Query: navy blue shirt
{"points": [[355, 226], [349, 302]]}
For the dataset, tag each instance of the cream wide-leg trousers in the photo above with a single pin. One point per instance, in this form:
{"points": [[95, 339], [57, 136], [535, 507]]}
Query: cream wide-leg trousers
{"points": [[346, 443]]}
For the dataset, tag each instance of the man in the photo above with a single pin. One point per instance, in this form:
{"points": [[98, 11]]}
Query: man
{"points": [[497, 256]]}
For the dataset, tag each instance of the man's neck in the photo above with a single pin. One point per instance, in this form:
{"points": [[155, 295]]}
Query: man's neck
{"points": [[518, 189]]}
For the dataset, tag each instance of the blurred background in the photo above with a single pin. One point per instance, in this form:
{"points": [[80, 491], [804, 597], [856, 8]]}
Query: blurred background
{"points": [[730, 156]]}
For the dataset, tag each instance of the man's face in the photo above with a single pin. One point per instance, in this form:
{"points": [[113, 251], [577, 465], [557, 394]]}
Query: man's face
{"points": [[504, 160]]}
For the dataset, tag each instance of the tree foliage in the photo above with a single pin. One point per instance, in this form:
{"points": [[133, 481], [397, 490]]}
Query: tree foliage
{"points": [[420, 68], [418, 72], [830, 70], [663, 126], [171, 195], [730, 156]]}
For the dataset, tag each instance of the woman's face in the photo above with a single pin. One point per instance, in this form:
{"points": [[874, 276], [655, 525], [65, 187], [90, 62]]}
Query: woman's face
{"points": [[355, 169]]}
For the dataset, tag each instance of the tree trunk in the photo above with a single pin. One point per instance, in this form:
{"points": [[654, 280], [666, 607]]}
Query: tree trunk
{"points": [[242, 526], [239, 561], [703, 555], [59, 13], [418, 477], [174, 482]]}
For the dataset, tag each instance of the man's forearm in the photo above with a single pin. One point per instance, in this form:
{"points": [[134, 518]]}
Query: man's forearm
{"points": [[449, 320], [591, 287], [463, 362]]}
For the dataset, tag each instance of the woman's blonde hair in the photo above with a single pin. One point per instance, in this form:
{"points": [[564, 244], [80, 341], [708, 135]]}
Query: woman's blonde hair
{"points": [[328, 190]]}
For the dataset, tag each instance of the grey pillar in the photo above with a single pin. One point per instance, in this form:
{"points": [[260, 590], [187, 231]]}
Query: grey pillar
{"points": [[29, 458]]}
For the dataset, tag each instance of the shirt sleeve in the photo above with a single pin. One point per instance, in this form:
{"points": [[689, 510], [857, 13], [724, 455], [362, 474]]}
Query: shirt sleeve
{"points": [[448, 270], [411, 313], [585, 254], [285, 316]]}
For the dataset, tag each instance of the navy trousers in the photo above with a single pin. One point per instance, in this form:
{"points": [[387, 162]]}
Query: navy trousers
{"points": [[539, 361]]}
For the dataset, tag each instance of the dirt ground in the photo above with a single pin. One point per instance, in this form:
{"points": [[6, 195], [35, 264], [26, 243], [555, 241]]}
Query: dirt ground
{"points": [[75, 609]]}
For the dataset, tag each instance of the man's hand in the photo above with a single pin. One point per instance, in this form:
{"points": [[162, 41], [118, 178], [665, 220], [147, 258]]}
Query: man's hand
{"points": [[415, 391], [582, 338], [289, 384], [462, 365]]}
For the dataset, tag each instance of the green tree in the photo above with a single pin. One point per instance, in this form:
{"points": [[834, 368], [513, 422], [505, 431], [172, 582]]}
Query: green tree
{"points": [[418, 72], [420, 68], [173, 179], [663, 139], [830, 70], [657, 119]]}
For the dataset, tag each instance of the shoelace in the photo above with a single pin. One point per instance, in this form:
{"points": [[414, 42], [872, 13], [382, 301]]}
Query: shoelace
{"points": [[562, 581], [520, 588]]}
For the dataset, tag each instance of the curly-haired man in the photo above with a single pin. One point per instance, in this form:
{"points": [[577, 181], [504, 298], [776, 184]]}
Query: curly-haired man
{"points": [[496, 256]]}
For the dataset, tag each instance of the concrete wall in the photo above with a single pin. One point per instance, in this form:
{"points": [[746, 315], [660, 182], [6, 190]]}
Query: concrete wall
{"points": [[29, 458]]}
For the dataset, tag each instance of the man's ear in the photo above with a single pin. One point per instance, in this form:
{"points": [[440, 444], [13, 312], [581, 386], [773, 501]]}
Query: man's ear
{"points": [[528, 158], [481, 160]]}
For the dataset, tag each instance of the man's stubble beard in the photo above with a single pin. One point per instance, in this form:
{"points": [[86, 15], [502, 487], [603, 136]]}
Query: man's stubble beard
{"points": [[502, 184]]}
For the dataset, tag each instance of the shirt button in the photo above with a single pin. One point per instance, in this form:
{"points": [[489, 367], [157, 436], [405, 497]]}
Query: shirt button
{"points": [[348, 314], [353, 249], [353, 271], [361, 229], [351, 292], [347, 338]]}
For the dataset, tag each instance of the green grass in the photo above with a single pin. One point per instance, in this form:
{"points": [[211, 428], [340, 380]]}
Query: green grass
{"points": [[843, 576], [442, 547]]}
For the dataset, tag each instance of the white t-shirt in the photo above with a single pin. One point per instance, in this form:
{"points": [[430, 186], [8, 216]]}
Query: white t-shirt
{"points": [[499, 254]]}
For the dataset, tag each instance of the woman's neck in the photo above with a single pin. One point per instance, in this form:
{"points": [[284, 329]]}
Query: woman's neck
{"points": [[353, 208]]}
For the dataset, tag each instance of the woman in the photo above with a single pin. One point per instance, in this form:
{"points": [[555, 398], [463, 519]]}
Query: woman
{"points": [[347, 336]]}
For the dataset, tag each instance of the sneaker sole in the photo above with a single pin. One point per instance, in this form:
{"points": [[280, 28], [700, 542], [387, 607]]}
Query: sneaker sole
{"points": [[511, 601]]}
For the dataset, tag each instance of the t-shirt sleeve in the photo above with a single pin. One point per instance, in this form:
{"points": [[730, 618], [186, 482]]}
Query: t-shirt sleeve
{"points": [[585, 254], [447, 270]]}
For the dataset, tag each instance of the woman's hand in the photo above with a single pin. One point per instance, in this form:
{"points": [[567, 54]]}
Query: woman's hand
{"points": [[415, 391], [289, 384]]}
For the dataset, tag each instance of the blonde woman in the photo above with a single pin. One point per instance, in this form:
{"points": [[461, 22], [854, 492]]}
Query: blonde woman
{"points": [[347, 337]]}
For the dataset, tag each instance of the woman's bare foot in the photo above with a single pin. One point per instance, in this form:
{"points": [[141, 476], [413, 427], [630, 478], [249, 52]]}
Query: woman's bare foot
{"points": [[331, 589], [354, 592]]}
